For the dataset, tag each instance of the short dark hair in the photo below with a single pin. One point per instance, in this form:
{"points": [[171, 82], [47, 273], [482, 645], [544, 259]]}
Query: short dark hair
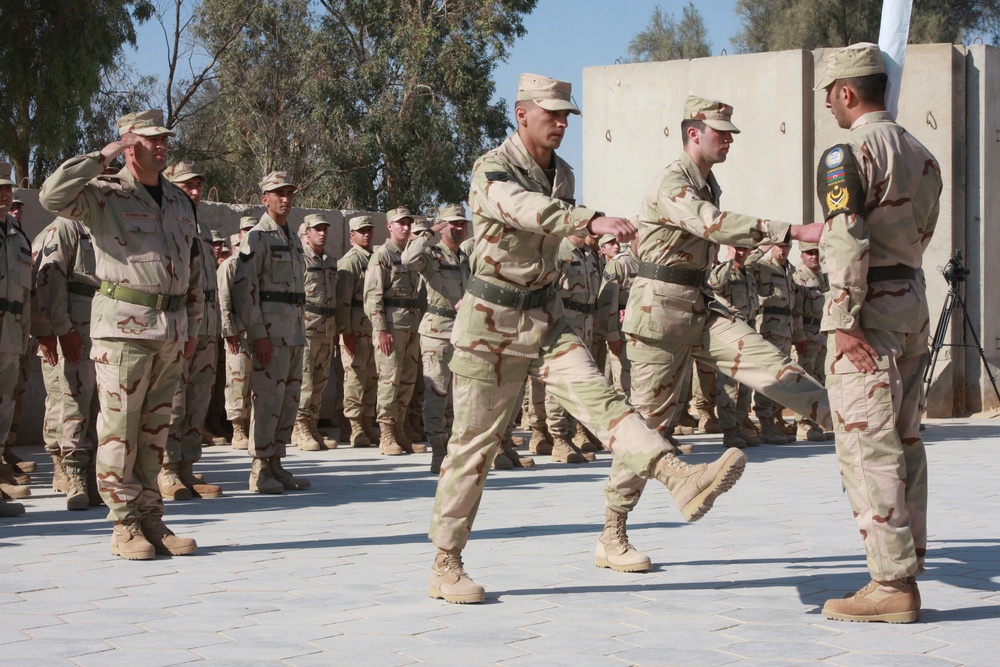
{"points": [[691, 122], [870, 89]]}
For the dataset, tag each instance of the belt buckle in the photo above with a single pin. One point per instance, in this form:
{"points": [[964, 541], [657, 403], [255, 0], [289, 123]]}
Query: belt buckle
{"points": [[159, 302], [521, 298]]}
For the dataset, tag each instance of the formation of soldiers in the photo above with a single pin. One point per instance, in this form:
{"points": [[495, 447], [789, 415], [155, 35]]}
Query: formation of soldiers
{"points": [[598, 330]]}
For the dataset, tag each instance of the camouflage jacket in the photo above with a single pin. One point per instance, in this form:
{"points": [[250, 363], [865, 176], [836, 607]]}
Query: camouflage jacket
{"points": [[879, 193], [392, 291], [63, 255], [681, 226], [15, 288], [446, 275], [519, 216], [138, 244], [735, 291], [269, 289], [210, 322], [779, 313], [578, 284], [810, 299], [351, 269], [225, 275], [619, 274], [321, 294]]}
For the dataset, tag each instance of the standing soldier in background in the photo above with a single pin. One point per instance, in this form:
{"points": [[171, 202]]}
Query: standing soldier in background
{"points": [[436, 255], [321, 332], [146, 317], [65, 285], [360, 378], [184, 442], [391, 292], [239, 365], [15, 314], [811, 351], [268, 295], [879, 192], [619, 274]]}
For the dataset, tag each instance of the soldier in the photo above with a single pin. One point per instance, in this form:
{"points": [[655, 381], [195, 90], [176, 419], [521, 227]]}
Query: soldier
{"points": [[436, 255], [268, 295], [15, 317], [812, 350], [65, 285], [391, 304], [879, 191], [145, 318], [619, 275], [321, 332], [511, 324], [360, 378], [194, 393], [239, 366]]}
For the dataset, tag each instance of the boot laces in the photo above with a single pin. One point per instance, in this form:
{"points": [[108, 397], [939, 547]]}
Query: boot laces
{"points": [[620, 533], [452, 562]]}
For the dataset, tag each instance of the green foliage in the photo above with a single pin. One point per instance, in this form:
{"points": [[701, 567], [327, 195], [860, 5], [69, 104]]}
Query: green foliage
{"points": [[666, 39]]}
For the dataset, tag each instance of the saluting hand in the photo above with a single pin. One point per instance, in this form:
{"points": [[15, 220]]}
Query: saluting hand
{"points": [[620, 228]]}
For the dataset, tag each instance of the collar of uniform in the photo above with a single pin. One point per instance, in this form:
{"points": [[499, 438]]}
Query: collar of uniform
{"points": [[361, 251], [267, 224], [130, 184], [391, 245], [10, 222], [309, 252], [693, 173], [515, 151], [873, 117]]}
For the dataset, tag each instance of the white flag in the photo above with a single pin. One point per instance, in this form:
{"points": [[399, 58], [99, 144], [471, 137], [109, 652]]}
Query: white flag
{"points": [[892, 38]]}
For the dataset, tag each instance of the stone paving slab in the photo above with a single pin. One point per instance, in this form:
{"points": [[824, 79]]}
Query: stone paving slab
{"points": [[337, 575]]}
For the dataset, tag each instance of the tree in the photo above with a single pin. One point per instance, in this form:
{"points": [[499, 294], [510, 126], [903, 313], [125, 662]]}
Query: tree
{"points": [[55, 56], [665, 39], [775, 25]]}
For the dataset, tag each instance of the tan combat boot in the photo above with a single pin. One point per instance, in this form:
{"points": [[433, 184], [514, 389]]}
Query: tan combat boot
{"points": [[708, 422], [198, 487], [613, 548], [695, 487], [563, 451], [76, 491], [241, 440], [541, 442], [16, 462], [163, 539], [261, 479], [880, 601], [10, 510], [507, 447], [733, 437], [171, 486], [681, 447], [59, 482], [810, 431], [387, 444], [771, 433], [12, 484], [324, 442], [584, 441], [368, 425], [358, 436], [439, 450], [302, 436], [414, 431], [501, 461], [685, 424], [11, 475], [450, 582], [128, 541], [404, 440], [286, 479]]}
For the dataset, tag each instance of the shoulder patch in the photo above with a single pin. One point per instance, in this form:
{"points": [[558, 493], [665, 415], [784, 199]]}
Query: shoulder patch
{"points": [[497, 176], [51, 249], [246, 256], [838, 183]]}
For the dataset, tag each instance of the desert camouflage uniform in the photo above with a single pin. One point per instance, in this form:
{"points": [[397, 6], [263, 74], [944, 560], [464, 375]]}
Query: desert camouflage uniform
{"points": [[65, 285], [619, 274], [668, 323], [810, 303], [321, 330], [268, 296], [360, 375], [735, 290], [519, 217], [239, 366], [879, 193], [142, 250], [446, 274], [15, 316], [391, 304]]}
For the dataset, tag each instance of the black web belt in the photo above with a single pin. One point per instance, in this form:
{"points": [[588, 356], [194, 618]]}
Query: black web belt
{"points": [[325, 311], [510, 296], [585, 308], [81, 289], [291, 298], [442, 312], [13, 307], [894, 272], [671, 274], [769, 310]]}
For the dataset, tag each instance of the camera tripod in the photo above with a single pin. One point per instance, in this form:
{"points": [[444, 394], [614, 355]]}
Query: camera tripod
{"points": [[955, 274]]}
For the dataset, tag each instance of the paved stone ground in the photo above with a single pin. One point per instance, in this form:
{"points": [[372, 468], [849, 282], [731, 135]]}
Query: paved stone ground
{"points": [[337, 575]]}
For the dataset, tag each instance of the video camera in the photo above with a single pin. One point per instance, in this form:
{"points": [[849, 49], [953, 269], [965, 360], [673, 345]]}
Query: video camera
{"points": [[953, 271]]}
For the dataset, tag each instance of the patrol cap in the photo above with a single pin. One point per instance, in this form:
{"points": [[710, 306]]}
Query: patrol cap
{"points": [[861, 59], [247, 222], [717, 115], [397, 214], [234, 241], [181, 171], [315, 220], [276, 180], [5, 174], [548, 93], [144, 123], [16, 202], [217, 237], [452, 213], [422, 225], [608, 238], [806, 247], [361, 222]]}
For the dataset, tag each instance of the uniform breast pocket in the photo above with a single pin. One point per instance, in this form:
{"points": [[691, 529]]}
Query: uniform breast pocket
{"points": [[401, 284], [85, 255], [282, 269], [765, 287], [24, 271], [143, 238]]}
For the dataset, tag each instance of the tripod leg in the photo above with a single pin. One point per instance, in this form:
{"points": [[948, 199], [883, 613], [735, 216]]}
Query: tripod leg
{"points": [[939, 336], [979, 346]]}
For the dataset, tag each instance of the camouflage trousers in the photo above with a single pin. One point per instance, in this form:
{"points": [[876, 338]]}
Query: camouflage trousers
{"points": [[619, 372], [69, 427], [599, 350], [490, 386], [397, 376], [317, 360], [10, 367], [436, 355], [703, 391], [21, 386], [360, 378], [881, 455], [557, 419], [274, 401], [194, 393], [812, 360], [239, 368], [764, 407], [732, 401], [136, 381], [533, 403]]}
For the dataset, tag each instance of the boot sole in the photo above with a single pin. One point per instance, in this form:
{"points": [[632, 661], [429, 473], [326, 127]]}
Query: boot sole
{"points": [[635, 567], [725, 480], [134, 555], [202, 494], [896, 617], [78, 502], [164, 551], [472, 598]]}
